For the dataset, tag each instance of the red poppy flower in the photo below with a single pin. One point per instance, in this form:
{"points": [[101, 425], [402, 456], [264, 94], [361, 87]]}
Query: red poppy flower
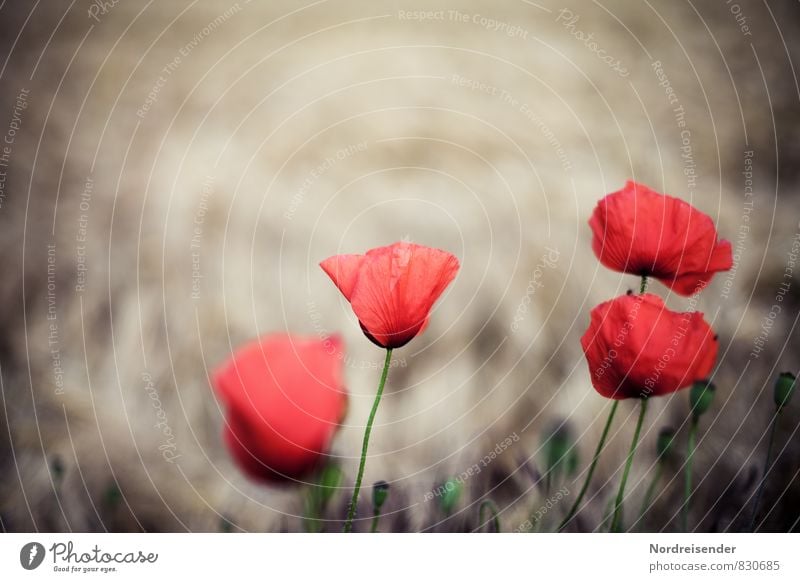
{"points": [[636, 347], [392, 289], [641, 232], [285, 399]]}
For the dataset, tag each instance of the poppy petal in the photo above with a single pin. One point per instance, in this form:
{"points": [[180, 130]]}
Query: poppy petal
{"points": [[636, 347], [343, 271], [636, 230], [394, 299], [395, 289], [284, 399]]}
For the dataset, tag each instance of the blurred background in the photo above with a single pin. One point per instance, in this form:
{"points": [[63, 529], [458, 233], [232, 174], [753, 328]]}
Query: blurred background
{"points": [[172, 173]]}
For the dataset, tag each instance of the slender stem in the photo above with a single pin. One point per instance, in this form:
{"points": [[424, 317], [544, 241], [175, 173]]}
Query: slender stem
{"points": [[311, 522], [687, 484], [615, 523], [643, 286], [537, 525], [489, 504], [592, 467], [375, 518], [607, 513], [351, 512], [648, 497], [766, 470]]}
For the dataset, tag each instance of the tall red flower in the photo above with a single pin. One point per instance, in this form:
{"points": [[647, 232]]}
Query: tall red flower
{"points": [[639, 231], [285, 398], [392, 289], [637, 348]]}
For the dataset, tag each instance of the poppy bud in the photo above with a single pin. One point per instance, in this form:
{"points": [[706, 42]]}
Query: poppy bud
{"points": [[329, 482], [701, 396], [57, 469], [664, 443], [784, 387], [452, 493], [112, 496], [380, 491]]}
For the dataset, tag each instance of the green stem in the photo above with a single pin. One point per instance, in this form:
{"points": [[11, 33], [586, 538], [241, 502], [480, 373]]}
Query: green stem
{"points": [[648, 497], [311, 522], [489, 504], [538, 524], [375, 518], [351, 512], [607, 512], [767, 467], [615, 523], [687, 485], [592, 467], [643, 286]]}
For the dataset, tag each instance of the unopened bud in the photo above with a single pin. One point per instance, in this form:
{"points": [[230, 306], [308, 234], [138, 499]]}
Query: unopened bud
{"points": [[451, 495], [664, 443], [380, 491], [329, 482], [57, 469], [784, 388], [701, 395]]}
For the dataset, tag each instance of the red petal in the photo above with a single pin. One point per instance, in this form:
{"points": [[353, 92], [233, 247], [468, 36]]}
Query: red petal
{"points": [[639, 231], [343, 270], [636, 347], [689, 283], [395, 290], [284, 399]]}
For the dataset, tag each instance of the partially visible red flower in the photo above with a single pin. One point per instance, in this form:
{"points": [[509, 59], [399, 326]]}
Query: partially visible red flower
{"points": [[285, 398], [641, 232], [392, 289], [637, 348]]}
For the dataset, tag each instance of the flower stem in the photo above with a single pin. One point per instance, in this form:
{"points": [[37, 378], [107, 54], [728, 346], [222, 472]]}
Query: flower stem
{"points": [[767, 468], [375, 518], [687, 485], [351, 512], [311, 521], [592, 467], [495, 521], [643, 286], [615, 523], [648, 497]]}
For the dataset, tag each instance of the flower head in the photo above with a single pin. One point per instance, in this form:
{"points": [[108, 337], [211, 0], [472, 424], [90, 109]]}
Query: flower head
{"points": [[639, 231], [285, 399], [392, 289], [636, 347]]}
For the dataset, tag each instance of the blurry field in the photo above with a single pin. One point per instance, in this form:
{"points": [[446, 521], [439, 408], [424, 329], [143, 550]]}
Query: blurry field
{"points": [[173, 172]]}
